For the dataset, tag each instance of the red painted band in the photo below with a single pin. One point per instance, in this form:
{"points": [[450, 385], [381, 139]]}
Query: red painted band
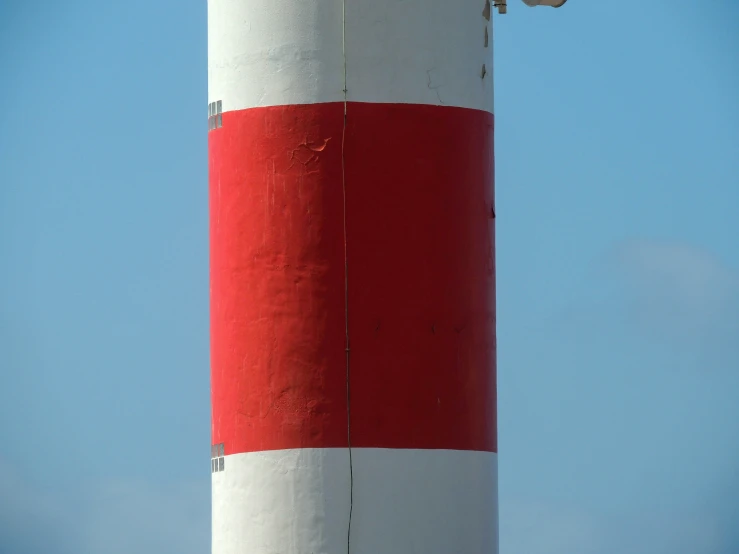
{"points": [[421, 296]]}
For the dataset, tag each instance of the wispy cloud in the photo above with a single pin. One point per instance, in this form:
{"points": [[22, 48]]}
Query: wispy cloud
{"points": [[676, 291], [666, 294], [676, 280], [671, 296], [636, 340]]}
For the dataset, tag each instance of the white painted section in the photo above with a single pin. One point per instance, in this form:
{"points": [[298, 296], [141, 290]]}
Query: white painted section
{"points": [[282, 501], [274, 52], [405, 502], [419, 52], [280, 52]]}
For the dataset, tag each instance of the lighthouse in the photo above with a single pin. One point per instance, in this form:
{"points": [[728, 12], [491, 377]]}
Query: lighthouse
{"points": [[352, 264]]}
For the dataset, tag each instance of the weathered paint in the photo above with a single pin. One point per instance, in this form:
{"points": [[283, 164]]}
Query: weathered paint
{"points": [[394, 185]]}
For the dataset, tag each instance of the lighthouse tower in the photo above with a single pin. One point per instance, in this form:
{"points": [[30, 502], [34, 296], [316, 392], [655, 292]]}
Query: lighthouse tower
{"points": [[352, 236]]}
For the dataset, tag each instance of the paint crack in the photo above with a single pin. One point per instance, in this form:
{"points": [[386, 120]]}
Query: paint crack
{"points": [[434, 88]]}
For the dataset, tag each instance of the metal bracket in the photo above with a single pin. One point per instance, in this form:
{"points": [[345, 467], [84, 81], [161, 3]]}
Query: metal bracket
{"points": [[217, 460], [215, 115]]}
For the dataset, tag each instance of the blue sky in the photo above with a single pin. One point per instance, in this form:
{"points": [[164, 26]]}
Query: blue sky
{"points": [[617, 153]]}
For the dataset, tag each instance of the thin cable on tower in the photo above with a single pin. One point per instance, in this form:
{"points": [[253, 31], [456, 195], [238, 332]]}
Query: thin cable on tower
{"points": [[346, 294]]}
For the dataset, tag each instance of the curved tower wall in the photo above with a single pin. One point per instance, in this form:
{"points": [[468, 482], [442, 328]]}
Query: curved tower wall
{"points": [[352, 277]]}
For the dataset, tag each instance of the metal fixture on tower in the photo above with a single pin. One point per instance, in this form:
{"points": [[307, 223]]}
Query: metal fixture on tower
{"points": [[503, 6]]}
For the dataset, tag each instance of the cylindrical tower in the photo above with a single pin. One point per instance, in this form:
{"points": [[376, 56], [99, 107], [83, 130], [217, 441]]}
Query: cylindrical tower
{"points": [[352, 226]]}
